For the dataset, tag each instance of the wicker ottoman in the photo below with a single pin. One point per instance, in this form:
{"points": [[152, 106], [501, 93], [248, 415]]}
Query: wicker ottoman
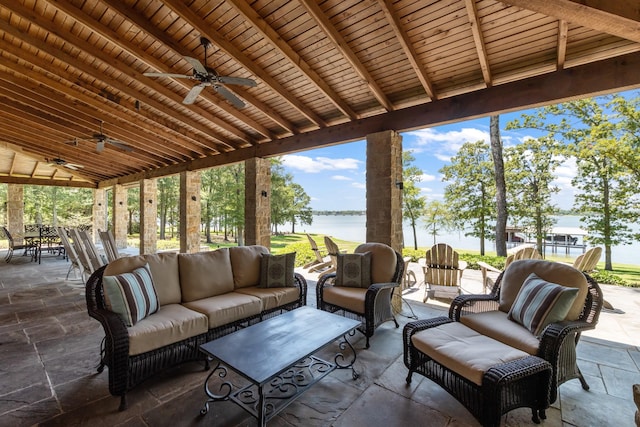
{"points": [[488, 377]]}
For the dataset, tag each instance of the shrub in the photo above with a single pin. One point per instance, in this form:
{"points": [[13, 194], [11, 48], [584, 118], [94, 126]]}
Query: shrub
{"points": [[303, 251], [608, 278]]}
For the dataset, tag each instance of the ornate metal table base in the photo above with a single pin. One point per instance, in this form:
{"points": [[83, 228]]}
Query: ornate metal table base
{"points": [[264, 401]]}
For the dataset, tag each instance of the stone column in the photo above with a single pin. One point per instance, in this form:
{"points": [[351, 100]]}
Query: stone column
{"points": [[99, 211], [257, 209], [120, 214], [190, 211], [384, 193], [15, 211], [148, 216]]}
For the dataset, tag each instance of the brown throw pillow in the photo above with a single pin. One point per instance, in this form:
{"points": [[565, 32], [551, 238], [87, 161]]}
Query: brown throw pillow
{"points": [[354, 270], [276, 271]]}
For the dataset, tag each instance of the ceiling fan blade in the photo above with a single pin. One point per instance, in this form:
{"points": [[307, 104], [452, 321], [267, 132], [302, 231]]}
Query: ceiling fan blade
{"points": [[100, 146], [73, 166], [237, 102], [119, 144], [197, 65], [193, 94], [237, 81], [175, 76]]}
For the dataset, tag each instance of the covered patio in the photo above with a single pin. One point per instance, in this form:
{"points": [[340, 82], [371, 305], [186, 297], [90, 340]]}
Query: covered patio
{"points": [[50, 349], [109, 94]]}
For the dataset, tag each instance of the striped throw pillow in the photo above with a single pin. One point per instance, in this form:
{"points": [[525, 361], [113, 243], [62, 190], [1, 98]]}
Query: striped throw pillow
{"points": [[540, 303], [131, 295]]}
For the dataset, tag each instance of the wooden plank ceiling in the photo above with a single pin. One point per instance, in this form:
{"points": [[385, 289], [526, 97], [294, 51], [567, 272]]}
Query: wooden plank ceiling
{"points": [[73, 86]]}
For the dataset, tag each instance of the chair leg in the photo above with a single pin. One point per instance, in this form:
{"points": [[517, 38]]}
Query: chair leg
{"points": [[583, 382]]}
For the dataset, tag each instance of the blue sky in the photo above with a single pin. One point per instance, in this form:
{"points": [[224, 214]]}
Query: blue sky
{"points": [[334, 177]]}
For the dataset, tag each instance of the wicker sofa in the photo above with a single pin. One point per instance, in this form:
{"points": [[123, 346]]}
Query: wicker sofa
{"points": [[200, 297]]}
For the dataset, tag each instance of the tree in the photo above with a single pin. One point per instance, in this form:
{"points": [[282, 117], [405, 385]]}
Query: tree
{"points": [[437, 216], [531, 167], [300, 210], [471, 189], [501, 186], [168, 188], [413, 202], [606, 197]]}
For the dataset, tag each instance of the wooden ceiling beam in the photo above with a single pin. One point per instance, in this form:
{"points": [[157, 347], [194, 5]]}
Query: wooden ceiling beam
{"points": [[260, 25], [99, 106], [199, 25], [145, 25], [478, 40], [618, 18], [150, 61], [339, 42], [46, 182], [108, 81], [407, 47], [592, 79], [563, 33], [160, 150]]}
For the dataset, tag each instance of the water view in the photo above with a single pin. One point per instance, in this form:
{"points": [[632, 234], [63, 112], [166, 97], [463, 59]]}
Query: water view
{"points": [[353, 228]]}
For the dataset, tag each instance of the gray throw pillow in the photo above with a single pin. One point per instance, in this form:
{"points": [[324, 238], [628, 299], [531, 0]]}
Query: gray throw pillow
{"points": [[354, 270], [276, 271]]}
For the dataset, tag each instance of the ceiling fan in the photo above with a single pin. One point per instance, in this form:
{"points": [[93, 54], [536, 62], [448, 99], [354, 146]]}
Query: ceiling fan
{"points": [[57, 161], [101, 140], [208, 77]]}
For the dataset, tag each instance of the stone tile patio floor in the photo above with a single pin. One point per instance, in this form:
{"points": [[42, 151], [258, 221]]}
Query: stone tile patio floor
{"points": [[49, 351]]}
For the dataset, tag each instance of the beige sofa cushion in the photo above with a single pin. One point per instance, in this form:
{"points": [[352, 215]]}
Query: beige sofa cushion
{"points": [[170, 324], [383, 261], [226, 308], [349, 298], [496, 325], [245, 263], [205, 274], [164, 270], [272, 297], [464, 350], [554, 272]]}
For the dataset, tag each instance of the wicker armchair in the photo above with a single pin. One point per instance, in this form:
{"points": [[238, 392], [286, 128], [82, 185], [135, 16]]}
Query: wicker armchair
{"points": [[558, 341], [372, 305]]}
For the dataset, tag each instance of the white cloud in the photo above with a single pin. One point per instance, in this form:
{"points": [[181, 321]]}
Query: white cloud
{"points": [[452, 140], [359, 185], [341, 178], [319, 164], [427, 178]]}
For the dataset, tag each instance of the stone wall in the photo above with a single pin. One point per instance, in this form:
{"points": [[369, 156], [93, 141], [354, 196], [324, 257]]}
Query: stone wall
{"points": [[257, 209]]}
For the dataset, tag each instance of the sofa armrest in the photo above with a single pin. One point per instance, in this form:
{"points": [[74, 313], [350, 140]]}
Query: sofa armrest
{"points": [[324, 280], [301, 283], [468, 304], [116, 345]]}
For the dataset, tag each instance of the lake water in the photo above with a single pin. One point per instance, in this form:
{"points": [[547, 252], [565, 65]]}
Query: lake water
{"points": [[353, 228]]}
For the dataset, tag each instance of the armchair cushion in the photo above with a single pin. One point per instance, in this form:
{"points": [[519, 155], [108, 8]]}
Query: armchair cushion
{"points": [[383, 261], [354, 270], [277, 270], [496, 325], [131, 295], [352, 299], [540, 303], [554, 272]]}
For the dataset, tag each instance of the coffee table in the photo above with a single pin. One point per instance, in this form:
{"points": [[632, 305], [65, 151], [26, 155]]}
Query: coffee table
{"points": [[276, 356]]}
